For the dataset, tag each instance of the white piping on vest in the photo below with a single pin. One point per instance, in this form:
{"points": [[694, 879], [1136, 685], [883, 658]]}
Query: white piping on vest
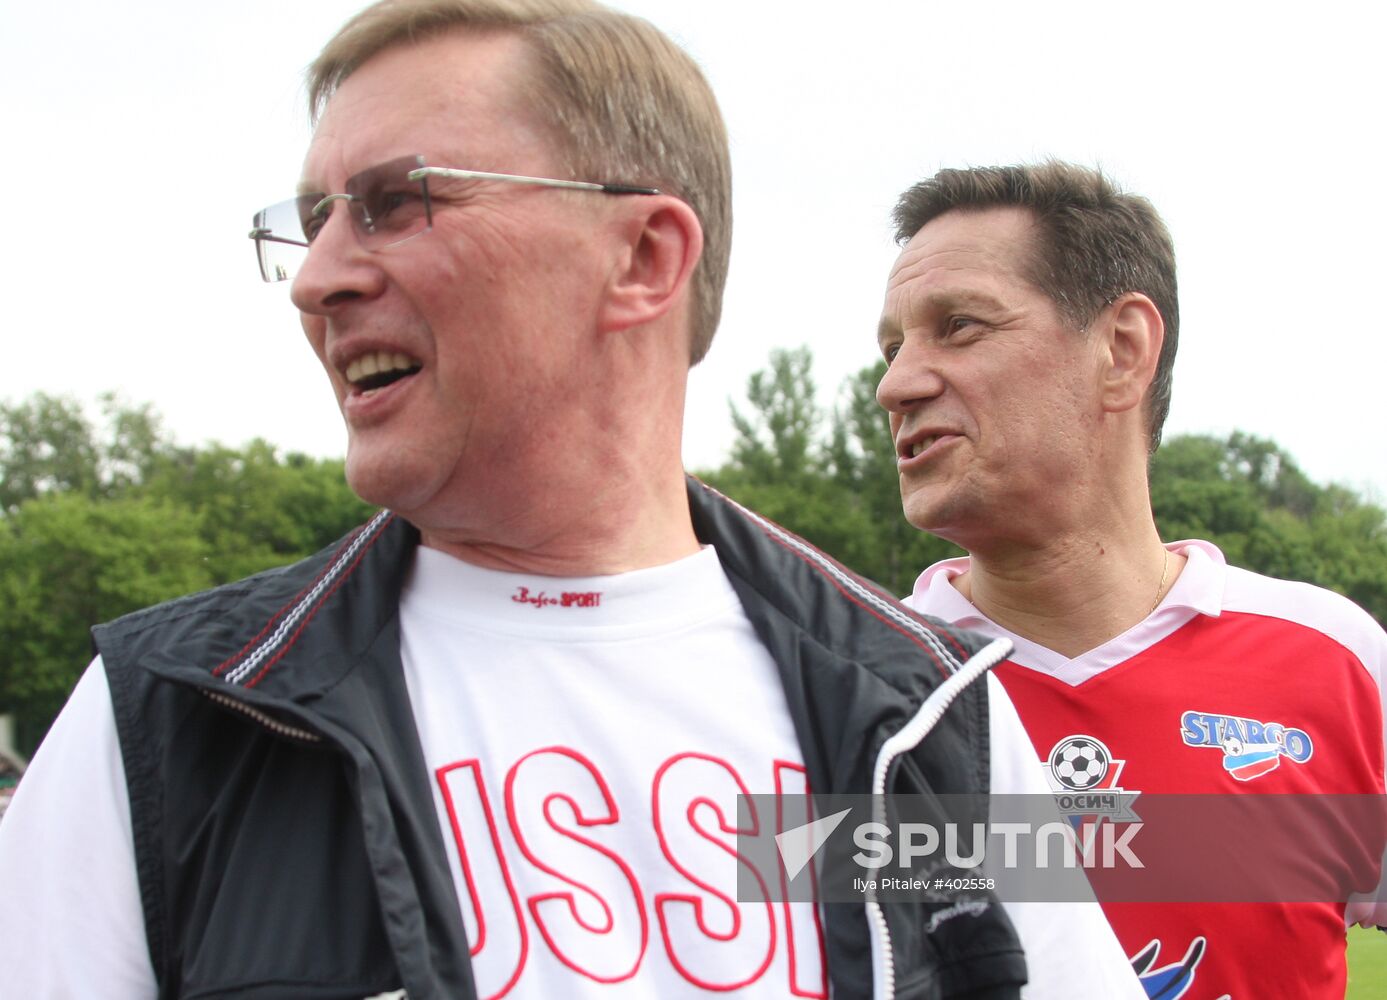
{"points": [[305, 603], [911, 735], [886, 608]]}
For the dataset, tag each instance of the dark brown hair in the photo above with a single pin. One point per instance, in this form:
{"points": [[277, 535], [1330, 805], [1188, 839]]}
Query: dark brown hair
{"points": [[1094, 243]]}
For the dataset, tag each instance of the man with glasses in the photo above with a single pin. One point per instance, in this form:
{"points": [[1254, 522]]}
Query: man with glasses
{"points": [[492, 744], [1030, 329]]}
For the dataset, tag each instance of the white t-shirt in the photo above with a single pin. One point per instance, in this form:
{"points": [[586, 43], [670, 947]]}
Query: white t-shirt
{"points": [[587, 740]]}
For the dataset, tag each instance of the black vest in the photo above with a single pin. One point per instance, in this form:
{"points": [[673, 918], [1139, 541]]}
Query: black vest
{"points": [[286, 838]]}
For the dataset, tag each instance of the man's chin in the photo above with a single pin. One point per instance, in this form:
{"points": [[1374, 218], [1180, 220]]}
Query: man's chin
{"points": [[385, 483], [937, 516]]}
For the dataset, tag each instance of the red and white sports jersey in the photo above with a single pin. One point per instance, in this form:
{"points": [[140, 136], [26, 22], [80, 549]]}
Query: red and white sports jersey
{"points": [[1236, 683]]}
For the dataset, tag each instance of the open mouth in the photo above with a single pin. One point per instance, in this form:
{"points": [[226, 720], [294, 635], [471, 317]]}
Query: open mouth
{"points": [[914, 449], [380, 369], [922, 445]]}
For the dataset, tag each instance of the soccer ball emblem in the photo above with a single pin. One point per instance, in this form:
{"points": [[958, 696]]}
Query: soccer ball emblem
{"points": [[1080, 762]]}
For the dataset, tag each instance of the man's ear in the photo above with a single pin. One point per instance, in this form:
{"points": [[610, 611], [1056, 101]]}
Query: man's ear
{"points": [[1132, 337], [662, 243]]}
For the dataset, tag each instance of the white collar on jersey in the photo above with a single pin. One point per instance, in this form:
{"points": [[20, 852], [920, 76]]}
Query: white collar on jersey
{"points": [[1199, 589]]}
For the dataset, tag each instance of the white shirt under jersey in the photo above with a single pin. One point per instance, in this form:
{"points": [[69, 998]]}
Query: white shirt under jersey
{"points": [[587, 739]]}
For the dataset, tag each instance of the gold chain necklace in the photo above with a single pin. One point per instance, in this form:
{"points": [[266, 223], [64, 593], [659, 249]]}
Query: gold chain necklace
{"points": [[1165, 567]]}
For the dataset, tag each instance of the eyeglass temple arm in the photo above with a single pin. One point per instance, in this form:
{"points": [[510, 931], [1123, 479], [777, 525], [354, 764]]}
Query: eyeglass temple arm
{"points": [[482, 175], [261, 233]]}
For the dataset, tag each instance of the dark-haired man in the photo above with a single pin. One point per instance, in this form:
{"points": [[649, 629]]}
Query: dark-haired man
{"points": [[1030, 330]]}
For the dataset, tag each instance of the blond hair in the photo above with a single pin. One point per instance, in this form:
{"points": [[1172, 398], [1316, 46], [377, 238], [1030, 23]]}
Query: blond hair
{"points": [[626, 104]]}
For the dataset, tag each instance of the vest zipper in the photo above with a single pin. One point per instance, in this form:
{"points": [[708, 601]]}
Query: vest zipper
{"points": [[911, 735], [264, 718]]}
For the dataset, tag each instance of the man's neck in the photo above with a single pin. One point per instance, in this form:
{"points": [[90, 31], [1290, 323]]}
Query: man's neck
{"points": [[605, 531], [605, 493], [1075, 593]]}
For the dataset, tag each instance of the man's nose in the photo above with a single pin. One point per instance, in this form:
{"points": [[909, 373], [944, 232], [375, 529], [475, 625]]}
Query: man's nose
{"points": [[337, 269], [911, 379]]}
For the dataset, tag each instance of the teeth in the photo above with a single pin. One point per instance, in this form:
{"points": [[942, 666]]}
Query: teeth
{"points": [[377, 362], [922, 445]]}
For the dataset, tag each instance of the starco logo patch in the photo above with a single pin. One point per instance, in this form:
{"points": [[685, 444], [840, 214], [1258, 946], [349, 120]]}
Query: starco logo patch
{"points": [[1250, 748]]}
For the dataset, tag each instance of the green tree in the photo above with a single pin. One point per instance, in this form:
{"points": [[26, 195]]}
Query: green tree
{"points": [[776, 441], [47, 444], [778, 461], [256, 509], [1248, 497], [137, 446], [836, 487], [70, 561], [100, 517]]}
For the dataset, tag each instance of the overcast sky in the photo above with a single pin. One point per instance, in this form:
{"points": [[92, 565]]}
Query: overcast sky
{"points": [[143, 135]]}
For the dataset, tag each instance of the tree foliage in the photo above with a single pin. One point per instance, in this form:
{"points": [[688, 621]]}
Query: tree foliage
{"points": [[68, 561], [832, 479], [1251, 499], [101, 517], [47, 444], [829, 477]]}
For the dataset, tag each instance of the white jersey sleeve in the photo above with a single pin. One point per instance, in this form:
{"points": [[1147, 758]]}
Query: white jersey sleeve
{"points": [[1360, 635], [70, 912], [1071, 952]]}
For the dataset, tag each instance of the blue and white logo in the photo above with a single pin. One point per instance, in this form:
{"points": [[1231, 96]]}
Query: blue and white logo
{"points": [[1250, 748]]}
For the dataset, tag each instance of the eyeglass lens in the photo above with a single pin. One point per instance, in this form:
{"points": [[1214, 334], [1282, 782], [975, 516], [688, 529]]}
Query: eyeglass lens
{"points": [[386, 208]]}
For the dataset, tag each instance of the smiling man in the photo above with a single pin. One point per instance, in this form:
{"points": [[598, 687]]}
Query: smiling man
{"points": [[1030, 330], [492, 743]]}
